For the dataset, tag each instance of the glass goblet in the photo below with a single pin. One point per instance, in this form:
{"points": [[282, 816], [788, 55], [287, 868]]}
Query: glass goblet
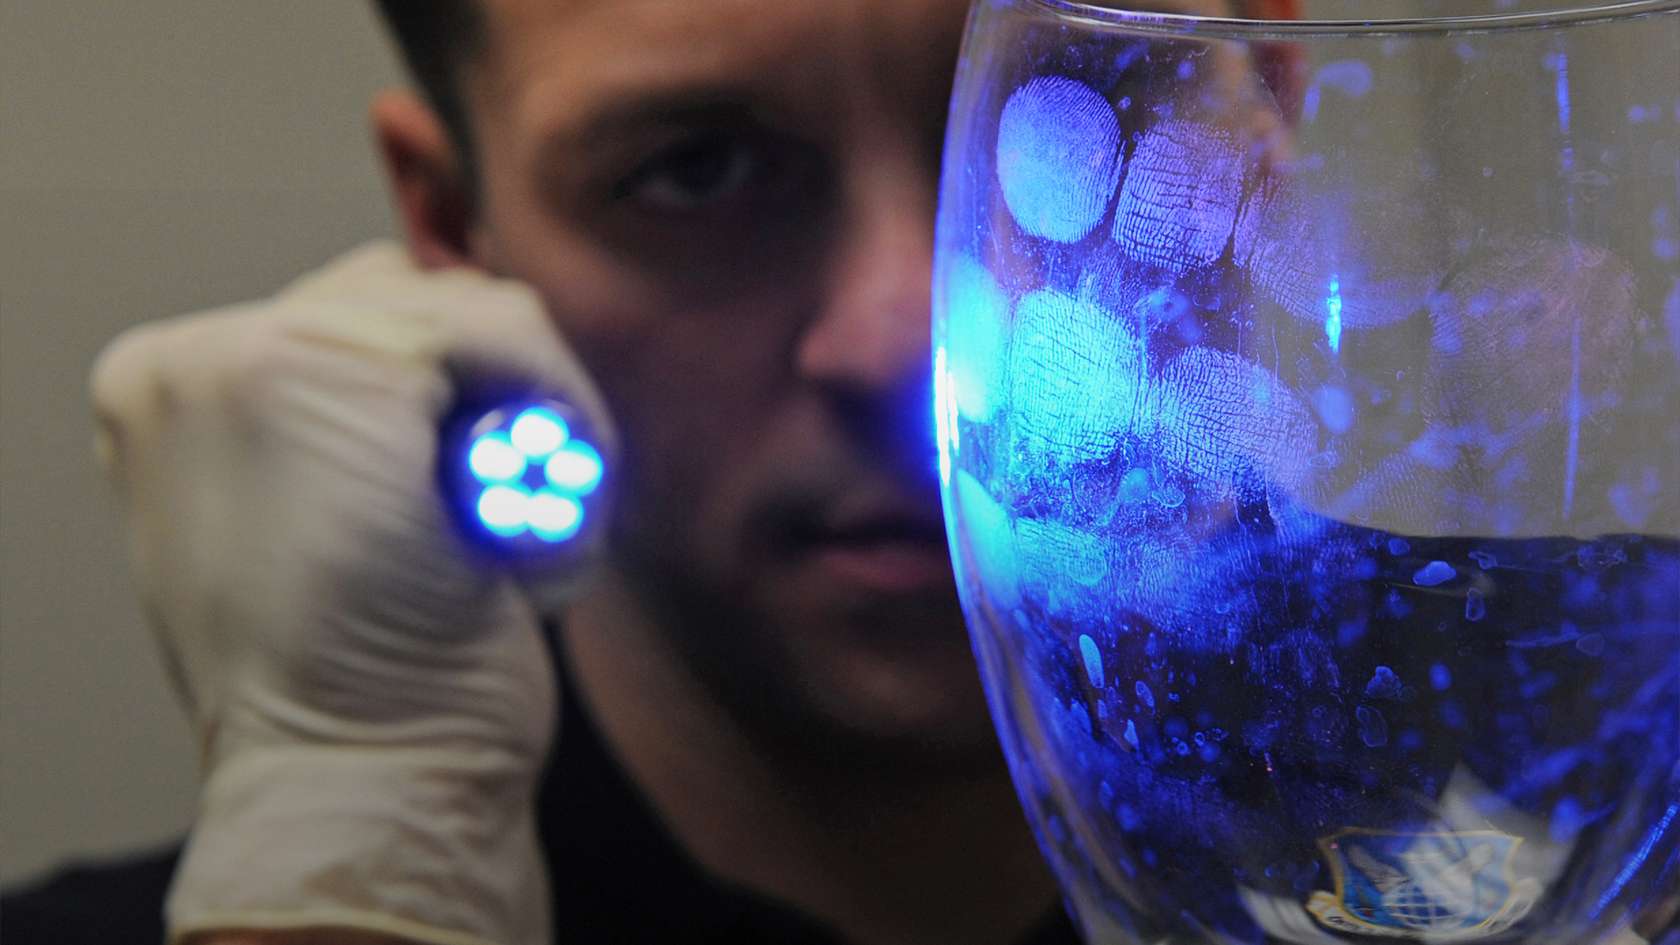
{"points": [[1308, 401]]}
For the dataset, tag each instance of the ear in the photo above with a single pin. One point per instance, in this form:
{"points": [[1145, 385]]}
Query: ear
{"points": [[432, 194]]}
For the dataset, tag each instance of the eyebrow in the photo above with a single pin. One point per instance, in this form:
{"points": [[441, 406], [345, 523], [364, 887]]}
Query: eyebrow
{"points": [[625, 115], [687, 107]]}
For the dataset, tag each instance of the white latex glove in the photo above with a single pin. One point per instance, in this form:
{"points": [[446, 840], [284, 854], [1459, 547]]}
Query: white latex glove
{"points": [[373, 701]]}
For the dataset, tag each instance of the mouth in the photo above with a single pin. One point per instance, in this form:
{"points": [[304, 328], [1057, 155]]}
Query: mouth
{"points": [[877, 548]]}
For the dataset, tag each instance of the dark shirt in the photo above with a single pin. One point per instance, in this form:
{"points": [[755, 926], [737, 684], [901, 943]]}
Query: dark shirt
{"points": [[617, 875]]}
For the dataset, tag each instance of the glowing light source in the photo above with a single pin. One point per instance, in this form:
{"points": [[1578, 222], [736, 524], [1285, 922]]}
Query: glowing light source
{"points": [[518, 472], [553, 517], [576, 468], [503, 509], [493, 458], [538, 431]]}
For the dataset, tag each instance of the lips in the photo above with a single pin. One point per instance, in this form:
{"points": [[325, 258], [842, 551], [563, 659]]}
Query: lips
{"points": [[874, 527], [880, 546]]}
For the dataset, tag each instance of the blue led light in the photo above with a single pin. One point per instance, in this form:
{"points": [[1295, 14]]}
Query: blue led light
{"points": [[575, 469], [503, 509], [553, 517], [538, 431], [493, 458], [518, 473]]}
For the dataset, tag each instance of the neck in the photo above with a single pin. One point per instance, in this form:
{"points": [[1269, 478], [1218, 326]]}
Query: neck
{"points": [[885, 852]]}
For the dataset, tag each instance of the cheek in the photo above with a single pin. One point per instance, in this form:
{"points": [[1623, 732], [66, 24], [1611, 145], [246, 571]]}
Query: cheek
{"points": [[681, 442], [696, 402], [695, 387]]}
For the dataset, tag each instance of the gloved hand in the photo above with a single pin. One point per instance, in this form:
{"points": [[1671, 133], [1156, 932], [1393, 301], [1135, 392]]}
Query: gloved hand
{"points": [[373, 701]]}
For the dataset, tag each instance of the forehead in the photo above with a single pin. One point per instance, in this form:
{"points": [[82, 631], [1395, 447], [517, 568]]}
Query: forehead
{"points": [[557, 60], [713, 27]]}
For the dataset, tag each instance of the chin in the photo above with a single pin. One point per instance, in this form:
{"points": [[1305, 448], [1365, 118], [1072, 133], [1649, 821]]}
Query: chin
{"points": [[896, 678], [824, 663]]}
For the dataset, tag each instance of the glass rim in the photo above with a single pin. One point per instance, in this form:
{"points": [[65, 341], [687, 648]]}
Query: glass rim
{"points": [[1238, 27]]}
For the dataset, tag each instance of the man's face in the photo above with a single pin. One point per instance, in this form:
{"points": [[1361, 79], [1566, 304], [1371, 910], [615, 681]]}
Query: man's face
{"points": [[728, 209]]}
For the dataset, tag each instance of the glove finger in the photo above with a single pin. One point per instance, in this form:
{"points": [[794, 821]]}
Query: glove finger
{"points": [[491, 335]]}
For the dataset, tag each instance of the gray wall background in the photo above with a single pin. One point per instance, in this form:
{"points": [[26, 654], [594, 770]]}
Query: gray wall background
{"points": [[155, 158]]}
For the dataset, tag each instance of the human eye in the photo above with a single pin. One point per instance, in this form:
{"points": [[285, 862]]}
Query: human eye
{"points": [[698, 172], [694, 191]]}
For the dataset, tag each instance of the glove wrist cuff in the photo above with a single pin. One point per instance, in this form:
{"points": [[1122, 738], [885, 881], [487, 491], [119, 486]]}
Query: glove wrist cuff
{"points": [[433, 846]]}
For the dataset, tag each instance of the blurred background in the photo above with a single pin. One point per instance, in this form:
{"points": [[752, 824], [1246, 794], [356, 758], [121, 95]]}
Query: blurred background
{"points": [[155, 158]]}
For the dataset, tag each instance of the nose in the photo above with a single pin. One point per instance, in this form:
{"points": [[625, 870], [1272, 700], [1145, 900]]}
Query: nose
{"points": [[870, 339]]}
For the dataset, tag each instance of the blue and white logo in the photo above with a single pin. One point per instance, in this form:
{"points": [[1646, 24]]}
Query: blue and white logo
{"points": [[1442, 886]]}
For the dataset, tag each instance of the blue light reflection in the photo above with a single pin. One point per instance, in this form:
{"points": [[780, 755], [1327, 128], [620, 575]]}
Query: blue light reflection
{"points": [[1333, 316]]}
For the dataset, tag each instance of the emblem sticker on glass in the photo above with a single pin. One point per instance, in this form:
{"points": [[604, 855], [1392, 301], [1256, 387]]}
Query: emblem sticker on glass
{"points": [[1444, 886]]}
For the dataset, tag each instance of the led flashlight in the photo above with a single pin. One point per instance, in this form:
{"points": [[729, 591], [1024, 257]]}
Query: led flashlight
{"points": [[521, 475]]}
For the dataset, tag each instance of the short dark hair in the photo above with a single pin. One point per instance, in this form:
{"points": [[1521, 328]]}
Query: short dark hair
{"points": [[438, 39]]}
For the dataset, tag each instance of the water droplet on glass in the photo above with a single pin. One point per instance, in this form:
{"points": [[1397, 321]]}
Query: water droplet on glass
{"points": [[1475, 607], [1384, 684], [1567, 820], [1168, 496], [1600, 556], [1093, 660], [1434, 573], [1397, 605], [1134, 486]]}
